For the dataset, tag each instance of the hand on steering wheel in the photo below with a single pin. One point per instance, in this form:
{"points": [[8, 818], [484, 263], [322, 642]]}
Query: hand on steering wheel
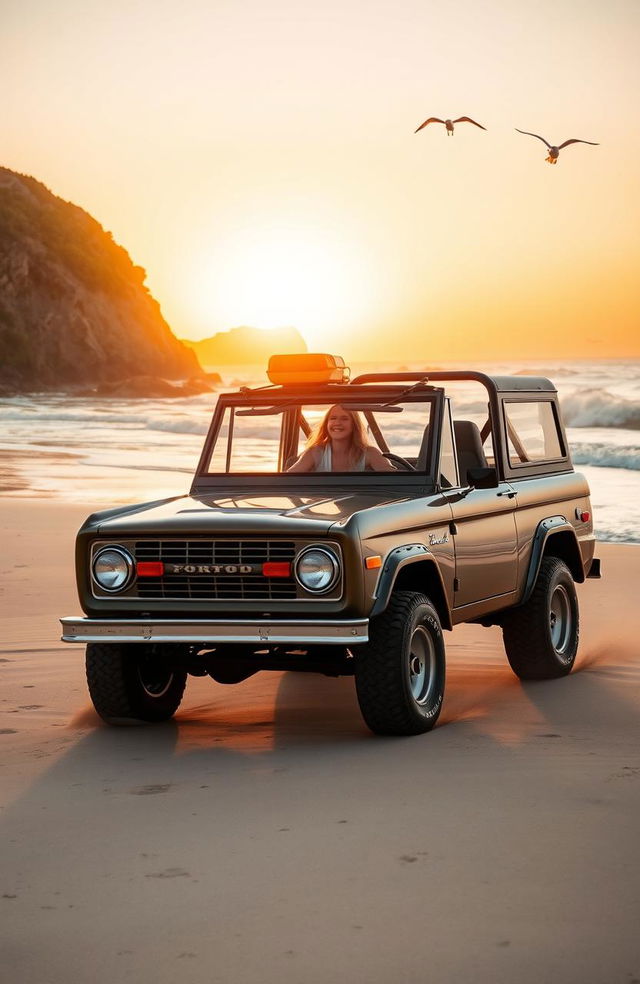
{"points": [[398, 460]]}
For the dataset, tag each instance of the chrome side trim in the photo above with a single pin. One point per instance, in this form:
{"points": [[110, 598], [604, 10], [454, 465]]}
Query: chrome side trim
{"points": [[302, 631]]}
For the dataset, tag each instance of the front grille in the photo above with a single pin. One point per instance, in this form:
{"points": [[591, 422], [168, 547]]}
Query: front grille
{"points": [[216, 587]]}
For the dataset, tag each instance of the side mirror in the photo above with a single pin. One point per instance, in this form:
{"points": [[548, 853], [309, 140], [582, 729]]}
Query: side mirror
{"points": [[483, 478]]}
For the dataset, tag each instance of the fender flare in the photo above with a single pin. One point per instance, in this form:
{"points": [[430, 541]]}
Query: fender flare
{"points": [[396, 560], [546, 529]]}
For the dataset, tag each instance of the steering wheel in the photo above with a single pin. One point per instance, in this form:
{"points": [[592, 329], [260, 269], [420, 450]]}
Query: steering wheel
{"points": [[398, 460]]}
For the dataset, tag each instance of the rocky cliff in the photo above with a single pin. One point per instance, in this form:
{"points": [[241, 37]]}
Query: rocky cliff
{"points": [[73, 306]]}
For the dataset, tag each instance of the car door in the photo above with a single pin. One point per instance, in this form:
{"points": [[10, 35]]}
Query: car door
{"points": [[485, 542], [485, 532]]}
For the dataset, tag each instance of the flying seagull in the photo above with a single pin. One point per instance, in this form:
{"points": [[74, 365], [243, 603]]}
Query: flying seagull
{"points": [[449, 123], [554, 152]]}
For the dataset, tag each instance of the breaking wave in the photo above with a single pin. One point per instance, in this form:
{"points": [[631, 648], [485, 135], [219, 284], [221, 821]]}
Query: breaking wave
{"points": [[30, 413], [606, 456], [598, 408], [174, 426], [558, 371]]}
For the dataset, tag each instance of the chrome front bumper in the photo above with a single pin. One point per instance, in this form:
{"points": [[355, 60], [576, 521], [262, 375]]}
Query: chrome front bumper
{"points": [[304, 632]]}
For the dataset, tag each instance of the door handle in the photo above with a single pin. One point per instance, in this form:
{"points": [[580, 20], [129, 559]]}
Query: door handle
{"points": [[509, 495]]}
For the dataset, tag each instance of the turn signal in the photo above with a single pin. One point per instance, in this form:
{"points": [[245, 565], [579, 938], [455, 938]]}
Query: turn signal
{"points": [[150, 568], [276, 568], [372, 563]]}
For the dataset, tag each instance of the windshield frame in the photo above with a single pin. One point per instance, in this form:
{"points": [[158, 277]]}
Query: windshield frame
{"points": [[327, 394]]}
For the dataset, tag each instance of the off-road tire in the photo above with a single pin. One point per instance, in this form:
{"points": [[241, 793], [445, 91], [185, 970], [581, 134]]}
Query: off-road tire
{"points": [[133, 682], [541, 636], [400, 673]]}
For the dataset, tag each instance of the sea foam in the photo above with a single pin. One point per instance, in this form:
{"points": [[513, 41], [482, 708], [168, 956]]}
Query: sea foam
{"points": [[606, 456], [598, 408]]}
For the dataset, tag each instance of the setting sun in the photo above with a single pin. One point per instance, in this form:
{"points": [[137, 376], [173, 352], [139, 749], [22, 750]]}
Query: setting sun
{"points": [[283, 276]]}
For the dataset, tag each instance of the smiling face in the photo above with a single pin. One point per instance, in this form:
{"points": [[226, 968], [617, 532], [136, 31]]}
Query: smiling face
{"points": [[339, 424]]}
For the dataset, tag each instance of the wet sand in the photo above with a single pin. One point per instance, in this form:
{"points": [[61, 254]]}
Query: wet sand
{"points": [[266, 836]]}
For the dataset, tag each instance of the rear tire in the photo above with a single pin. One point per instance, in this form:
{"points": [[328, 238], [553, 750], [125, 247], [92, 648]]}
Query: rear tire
{"points": [[541, 637], [400, 673], [133, 682]]}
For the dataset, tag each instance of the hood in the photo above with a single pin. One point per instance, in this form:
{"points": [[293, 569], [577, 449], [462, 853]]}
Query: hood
{"points": [[245, 515]]}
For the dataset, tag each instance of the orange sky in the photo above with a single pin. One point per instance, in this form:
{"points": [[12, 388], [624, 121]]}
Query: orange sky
{"points": [[259, 160]]}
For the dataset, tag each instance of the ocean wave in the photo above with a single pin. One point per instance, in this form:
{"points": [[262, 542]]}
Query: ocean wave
{"points": [[622, 534], [470, 408], [242, 433], [606, 456], [178, 426], [65, 416], [598, 408], [558, 371]]}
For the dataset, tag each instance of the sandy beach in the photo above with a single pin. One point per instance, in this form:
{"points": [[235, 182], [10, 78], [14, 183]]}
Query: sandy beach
{"points": [[266, 835]]}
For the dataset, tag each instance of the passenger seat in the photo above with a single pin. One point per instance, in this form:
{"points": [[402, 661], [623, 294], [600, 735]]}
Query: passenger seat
{"points": [[468, 447]]}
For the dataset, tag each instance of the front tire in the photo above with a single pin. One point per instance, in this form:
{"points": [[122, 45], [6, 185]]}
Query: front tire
{"points": [[541, 637], [400, 673], [133, 682]]}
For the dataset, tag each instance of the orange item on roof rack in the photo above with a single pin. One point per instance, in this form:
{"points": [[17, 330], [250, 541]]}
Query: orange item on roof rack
{"points": [[310, 367]]}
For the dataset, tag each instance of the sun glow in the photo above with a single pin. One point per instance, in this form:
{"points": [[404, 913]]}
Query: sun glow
{"points": [[275, 278]]}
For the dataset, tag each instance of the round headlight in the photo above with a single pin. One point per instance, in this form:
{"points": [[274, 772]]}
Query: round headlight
{"points": [[112, 568], [317, 569]]}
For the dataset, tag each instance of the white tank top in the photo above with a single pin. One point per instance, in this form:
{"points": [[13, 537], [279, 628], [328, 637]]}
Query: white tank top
{"points": [[325, 462]]}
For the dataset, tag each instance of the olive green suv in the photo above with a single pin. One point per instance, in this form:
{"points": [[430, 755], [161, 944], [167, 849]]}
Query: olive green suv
{"points": [[459, 504]]}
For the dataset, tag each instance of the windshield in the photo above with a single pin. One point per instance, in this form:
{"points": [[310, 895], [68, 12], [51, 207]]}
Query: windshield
{"points": [[290, 438]]}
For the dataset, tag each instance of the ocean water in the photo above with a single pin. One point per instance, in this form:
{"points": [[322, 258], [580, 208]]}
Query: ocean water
{"points": [[105, 451]]}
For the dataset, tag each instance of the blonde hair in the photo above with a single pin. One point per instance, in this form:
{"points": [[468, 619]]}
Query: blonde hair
{"points": [[319, 437]]}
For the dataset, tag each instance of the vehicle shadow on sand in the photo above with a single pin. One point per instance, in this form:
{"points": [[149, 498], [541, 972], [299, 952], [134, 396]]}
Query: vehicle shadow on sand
{"points": [[272, 722]]}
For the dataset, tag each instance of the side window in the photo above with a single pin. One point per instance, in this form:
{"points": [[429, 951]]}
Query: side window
{"points": [[532, 432], [487, 440], [448, 464], [469, 402]]}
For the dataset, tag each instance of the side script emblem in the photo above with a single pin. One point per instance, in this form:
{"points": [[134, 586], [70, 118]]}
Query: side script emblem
{"points": [[434, 538]]}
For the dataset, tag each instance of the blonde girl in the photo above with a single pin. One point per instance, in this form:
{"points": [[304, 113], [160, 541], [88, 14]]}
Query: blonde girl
{"points": [[339, 444]]}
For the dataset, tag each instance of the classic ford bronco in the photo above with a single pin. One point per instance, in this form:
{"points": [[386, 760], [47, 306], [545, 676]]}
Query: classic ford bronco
{"points": [[462, 505]]}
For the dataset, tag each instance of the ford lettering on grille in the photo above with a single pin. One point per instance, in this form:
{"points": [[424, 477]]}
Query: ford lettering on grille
{"points": [[213, 568]]}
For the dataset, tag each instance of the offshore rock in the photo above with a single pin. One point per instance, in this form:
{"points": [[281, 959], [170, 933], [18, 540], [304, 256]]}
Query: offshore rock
{"points": [[246, 346], [149, 387]]}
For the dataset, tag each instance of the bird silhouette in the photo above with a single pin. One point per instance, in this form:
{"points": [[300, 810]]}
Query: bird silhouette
{"points": [[449, 123], [554, 152]]}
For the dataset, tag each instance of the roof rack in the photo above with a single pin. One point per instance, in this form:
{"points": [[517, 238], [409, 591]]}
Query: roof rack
{"points": [[310, 367]]}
